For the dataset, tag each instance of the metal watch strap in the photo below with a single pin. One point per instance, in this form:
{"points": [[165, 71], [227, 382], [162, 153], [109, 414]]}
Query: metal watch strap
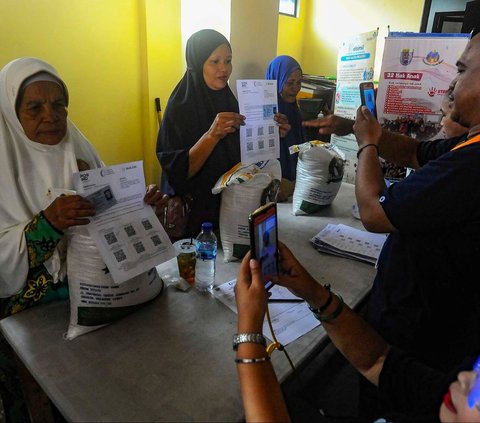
{"points": [[241, 338]]}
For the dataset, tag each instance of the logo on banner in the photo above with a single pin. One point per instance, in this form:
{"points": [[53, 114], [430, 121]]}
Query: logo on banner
{"points": [[406, 56], [367, 74], [432, 91], [432, 58]]}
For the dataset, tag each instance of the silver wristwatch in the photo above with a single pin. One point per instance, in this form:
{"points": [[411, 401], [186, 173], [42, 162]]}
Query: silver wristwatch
{"points": [[241, 338]]}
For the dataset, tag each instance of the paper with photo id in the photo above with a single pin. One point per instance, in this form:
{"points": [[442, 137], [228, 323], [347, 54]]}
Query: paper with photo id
{"points": [[128, 234], [259, 137]]}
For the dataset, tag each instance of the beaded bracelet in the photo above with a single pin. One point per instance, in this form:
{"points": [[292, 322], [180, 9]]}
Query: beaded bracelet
{"points": [[365, 146], [252, 360], [325, 306], [334, 314]]}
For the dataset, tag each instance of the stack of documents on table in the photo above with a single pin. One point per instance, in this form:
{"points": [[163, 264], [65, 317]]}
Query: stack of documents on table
{"points": [[345, 241]]}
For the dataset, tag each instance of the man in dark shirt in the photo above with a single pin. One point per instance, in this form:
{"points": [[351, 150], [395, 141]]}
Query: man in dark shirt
{"points": [[413, 391], [426, 293]]}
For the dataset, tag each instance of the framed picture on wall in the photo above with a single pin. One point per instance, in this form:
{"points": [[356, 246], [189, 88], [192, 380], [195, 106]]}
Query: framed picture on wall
{"points": [[289, 7]]}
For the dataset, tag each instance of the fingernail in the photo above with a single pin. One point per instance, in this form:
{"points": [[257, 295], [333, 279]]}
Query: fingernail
{"points": [[447, 400]]}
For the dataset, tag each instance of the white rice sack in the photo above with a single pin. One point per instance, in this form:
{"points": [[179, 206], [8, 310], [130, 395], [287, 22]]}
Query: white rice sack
{"points": [[95, 299], [319, 176], [243, 191]]}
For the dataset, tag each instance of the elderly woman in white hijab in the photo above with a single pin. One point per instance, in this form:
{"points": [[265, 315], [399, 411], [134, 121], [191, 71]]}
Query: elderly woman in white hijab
{"points": [[40, 149]]}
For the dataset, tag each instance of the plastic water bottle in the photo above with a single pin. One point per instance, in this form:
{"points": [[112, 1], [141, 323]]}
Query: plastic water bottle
{"points": [[206, 251]]}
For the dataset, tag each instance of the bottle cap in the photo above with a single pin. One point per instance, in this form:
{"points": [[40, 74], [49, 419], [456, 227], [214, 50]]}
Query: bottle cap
{"points": [[185, 246], [207, 226]]}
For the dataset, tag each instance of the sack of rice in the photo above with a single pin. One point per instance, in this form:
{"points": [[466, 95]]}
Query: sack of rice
{"points": [[319, 176], [244, 188], [95, 299]]}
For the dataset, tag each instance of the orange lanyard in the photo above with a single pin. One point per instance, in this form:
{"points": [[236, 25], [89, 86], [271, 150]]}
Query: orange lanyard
{"points": [[469, 142]]}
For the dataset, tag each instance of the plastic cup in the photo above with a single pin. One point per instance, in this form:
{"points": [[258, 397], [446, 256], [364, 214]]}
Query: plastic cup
{"points": [[186, 259]]}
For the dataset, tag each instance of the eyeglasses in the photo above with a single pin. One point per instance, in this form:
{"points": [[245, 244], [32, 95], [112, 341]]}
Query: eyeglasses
{"points": [[474, 32]]}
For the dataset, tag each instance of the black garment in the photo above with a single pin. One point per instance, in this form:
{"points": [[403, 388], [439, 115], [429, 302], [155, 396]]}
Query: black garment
{"points": [[295, 136], [427, 288], [190, 112], [413, 390], [14, 405]]}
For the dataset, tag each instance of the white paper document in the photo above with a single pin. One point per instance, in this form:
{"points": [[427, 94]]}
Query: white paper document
{"points": [[128, 234], [289, 320], [259, 137], [345, 241]]}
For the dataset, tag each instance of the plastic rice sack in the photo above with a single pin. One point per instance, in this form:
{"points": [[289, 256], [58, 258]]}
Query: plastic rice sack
{"points": [[319, 176], [95, 299], [244, 188]]}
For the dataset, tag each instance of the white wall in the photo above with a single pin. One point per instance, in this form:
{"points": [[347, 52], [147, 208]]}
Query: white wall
{"points": [[204, 14], [254, 28]]}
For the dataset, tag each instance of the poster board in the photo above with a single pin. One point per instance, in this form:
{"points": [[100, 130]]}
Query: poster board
{"points": [[356, 63], [416, 71]]}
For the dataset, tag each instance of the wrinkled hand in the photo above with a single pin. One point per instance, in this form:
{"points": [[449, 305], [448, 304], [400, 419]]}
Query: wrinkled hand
{"points": [[331, 124], [226, 123], [154, 197], [366, 128], [283, 125], [294, 276], [251, 296], [69, 210]]}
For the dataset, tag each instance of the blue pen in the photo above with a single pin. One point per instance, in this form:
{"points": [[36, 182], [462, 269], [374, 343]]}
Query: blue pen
{"points": [[474, 395]]}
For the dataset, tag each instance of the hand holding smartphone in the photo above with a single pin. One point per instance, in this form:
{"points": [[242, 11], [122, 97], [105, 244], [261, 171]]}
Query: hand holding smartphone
{"points": [[367, 94], [264, 241]]}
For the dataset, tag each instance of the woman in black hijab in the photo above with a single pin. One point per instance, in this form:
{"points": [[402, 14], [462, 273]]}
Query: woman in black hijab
{"points": [[199, 138]]}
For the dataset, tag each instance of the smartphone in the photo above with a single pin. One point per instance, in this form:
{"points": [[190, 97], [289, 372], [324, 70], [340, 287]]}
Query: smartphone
{"points": [[367, 94], [264, 241]]}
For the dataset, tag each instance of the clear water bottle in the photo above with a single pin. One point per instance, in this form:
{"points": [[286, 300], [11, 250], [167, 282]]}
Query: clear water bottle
{"points": [[206, 251]]}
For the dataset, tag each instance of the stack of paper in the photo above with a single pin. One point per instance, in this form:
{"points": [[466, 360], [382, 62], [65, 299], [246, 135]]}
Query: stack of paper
{"points": [[345, 241]]}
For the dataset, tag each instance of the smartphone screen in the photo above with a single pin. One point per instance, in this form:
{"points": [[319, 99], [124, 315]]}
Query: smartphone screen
{"points": [[367, 94], [263, 241]]}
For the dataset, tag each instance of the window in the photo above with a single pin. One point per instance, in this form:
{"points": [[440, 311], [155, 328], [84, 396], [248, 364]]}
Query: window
{"points": [[289, 7]]}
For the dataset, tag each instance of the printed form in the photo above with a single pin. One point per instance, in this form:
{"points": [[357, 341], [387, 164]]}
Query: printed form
{"points": [[289, 320], [259, 137], [345, 241], [128, 234]]}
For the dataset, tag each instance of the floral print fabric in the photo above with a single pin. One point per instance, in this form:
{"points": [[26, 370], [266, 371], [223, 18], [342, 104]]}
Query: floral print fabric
{"points": [[41, 238]]}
